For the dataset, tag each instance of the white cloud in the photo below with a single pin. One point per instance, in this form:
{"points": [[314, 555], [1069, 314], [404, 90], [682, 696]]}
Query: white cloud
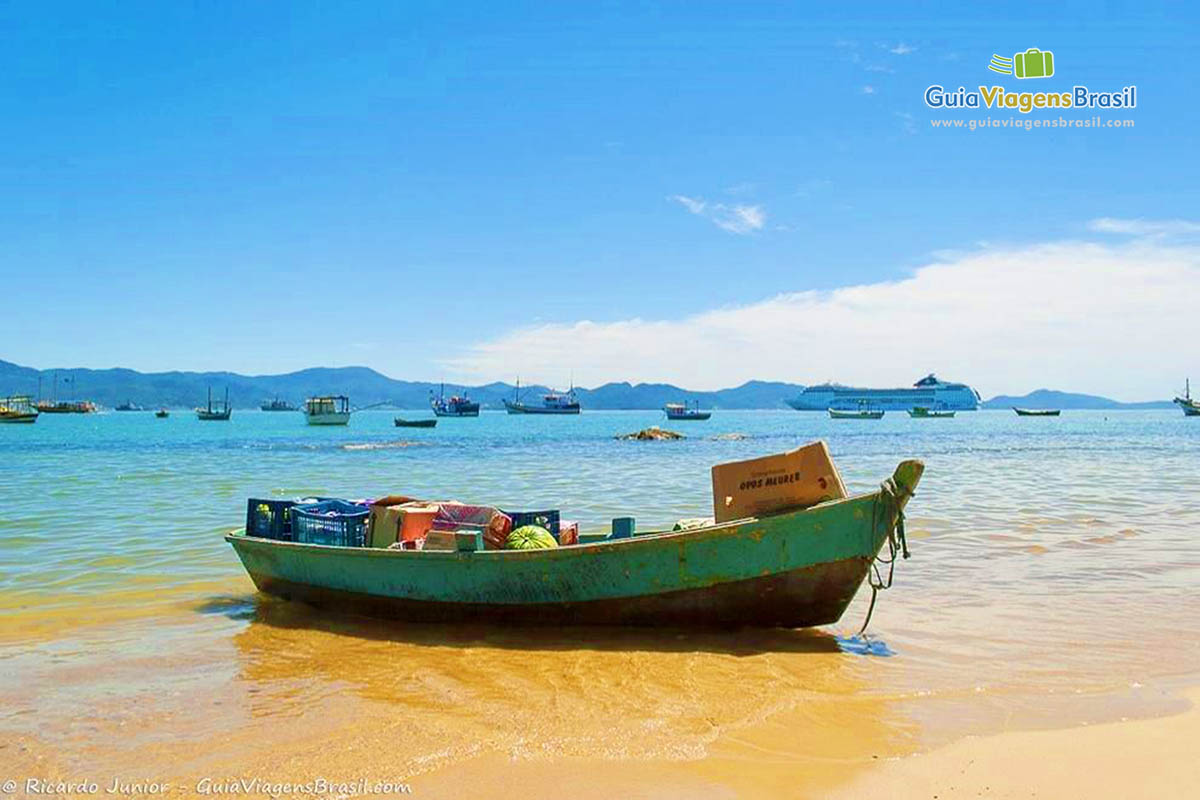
{"points": [[740, 219], [868, 89], [1117, 320], [907, 121], [902, 49], [1145, 227]]}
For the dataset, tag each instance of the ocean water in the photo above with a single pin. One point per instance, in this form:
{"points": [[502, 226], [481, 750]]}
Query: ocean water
{"points": [[1054, 573]]}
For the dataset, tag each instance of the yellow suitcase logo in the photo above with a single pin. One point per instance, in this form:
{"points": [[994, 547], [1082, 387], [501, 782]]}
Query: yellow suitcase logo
{"points": [[1033, 63]]}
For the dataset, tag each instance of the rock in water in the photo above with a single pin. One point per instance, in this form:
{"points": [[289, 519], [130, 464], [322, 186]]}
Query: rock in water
{"points": [[653, 433]]}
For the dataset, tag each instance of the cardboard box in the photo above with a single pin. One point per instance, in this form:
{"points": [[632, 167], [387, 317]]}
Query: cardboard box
{"points": [[796, 479]]}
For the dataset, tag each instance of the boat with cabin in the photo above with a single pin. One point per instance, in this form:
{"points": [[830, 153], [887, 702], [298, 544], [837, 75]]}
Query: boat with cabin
{"points": [[453, 406], [683, 411], [216, 410], [18, 409], [327, 410], [929, 392], [855, 413], [792, 568], [1189, 407], [277, 405], [552, 403]]}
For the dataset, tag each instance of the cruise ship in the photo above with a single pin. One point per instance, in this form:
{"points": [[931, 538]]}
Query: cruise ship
{"points": [[929, 392]]}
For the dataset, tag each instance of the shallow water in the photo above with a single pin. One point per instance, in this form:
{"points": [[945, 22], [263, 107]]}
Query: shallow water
{"points": [[1055, 561]]}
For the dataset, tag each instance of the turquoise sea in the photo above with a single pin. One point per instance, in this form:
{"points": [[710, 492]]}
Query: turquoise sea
{"points": [[1053, 560]]}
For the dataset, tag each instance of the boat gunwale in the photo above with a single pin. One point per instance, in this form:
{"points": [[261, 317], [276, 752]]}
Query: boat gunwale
{"points": [[239, 535]]}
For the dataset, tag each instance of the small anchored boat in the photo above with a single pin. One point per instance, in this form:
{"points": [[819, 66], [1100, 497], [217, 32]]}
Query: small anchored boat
{"points": [[327, 410], [790, 569], [453, 406], [553, 403], [921, 412], [162, 413], [1037, 412], [415, 423], [682, 411], [864, 411], [1189, 407], [18, 409], [216, 410], [277, 405]]}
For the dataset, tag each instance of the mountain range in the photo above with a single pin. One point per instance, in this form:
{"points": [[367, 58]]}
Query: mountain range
{"points": [[366, 387]]}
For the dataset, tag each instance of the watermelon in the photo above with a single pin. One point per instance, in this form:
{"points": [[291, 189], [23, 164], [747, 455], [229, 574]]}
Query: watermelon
{"points": [[530, 537]]}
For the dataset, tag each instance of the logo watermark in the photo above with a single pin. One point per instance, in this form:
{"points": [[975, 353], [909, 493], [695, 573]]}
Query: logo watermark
{"points": [[1029, 64]]}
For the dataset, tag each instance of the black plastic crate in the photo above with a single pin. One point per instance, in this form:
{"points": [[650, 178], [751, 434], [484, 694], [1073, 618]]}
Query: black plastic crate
{"points": [[269, 519]]}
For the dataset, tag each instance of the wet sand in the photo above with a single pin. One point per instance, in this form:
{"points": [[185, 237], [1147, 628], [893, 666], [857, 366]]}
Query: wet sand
{"points": [[1158, 758]]}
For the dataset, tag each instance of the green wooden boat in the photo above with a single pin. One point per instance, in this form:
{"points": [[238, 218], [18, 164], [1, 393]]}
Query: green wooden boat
{"points": [[793, 569]]}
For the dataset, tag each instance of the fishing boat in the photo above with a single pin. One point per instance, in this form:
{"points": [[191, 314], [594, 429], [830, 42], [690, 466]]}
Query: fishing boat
{"points": [[415, 423], [1037, 412], [216, 410], [921, 412], [1190, 407], [453, 406], [855, 413], [552, 403], [129, 405], [327, 410], [791, 569], [865, 410], [162, 413], [18, 409], [682, 411], [277, 405]]}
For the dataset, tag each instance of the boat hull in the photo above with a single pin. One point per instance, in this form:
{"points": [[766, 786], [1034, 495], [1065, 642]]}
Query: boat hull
{"points": [[212, 416], [796, 569], [20, 419], [697, 416], [415, 423], [337, 418]]}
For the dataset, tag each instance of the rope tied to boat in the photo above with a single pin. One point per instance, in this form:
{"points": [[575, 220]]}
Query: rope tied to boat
{"points": [[890, 500]]}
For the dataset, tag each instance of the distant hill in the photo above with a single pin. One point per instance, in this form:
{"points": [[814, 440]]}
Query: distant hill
{"points": [[1048, 398], [365, 386]]}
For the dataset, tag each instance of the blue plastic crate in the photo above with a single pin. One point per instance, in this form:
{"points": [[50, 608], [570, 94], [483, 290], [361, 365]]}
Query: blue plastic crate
{"points": [[331, 522], [269, 519]]}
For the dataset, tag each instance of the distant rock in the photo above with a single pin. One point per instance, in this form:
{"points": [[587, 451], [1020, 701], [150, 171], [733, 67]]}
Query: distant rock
{"points": [[651, 434]]}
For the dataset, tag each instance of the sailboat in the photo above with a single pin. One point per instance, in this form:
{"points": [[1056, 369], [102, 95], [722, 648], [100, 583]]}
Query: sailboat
{"points": [[1190, 407], [215, 411]]}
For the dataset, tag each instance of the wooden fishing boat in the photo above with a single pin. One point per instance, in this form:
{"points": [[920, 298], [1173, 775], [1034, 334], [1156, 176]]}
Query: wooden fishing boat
{"points": [[18, 409], [216, 410], [792, 569], [921, 412], [553, 403], [453, 406], [327, 410], [1037, 412], [682, 411], [162, 413], [415, 423], [856, 413]]}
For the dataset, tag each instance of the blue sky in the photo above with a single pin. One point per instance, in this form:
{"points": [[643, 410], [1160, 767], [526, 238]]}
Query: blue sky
{"points": [[423, 187]]}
